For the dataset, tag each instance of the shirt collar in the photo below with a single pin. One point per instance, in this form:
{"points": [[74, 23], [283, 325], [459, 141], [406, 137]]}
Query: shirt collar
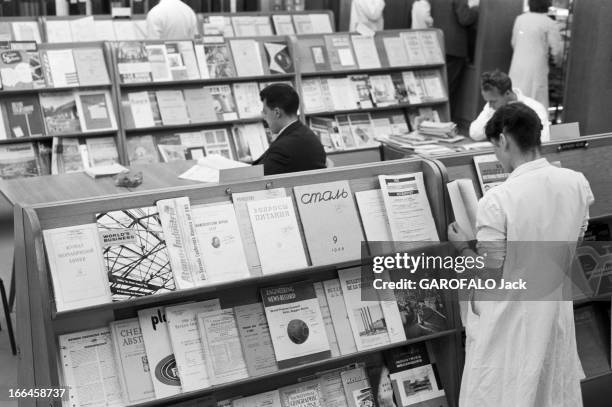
{"points": [[529, 166], [519, 95]]}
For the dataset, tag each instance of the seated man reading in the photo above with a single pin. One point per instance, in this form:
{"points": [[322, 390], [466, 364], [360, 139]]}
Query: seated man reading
{"points": [[497, 91]]}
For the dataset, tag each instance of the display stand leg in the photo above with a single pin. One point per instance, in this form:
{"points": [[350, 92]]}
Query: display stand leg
{"points": [[7, 316]]}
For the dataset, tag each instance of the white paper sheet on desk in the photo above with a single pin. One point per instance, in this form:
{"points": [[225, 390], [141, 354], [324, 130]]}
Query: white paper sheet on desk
{"points": [[208, 168]]}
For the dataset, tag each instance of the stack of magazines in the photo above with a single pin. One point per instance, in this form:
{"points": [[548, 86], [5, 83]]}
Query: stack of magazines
{"points": [[438, 129]]}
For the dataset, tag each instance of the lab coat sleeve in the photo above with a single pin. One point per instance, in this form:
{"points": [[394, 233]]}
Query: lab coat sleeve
{"points": [[555, 42], [491, 234], [543, 115], [515, 30], [490, 219], [154, 28], [477, 127], [372, 9], [589, 198], [193, 26]]}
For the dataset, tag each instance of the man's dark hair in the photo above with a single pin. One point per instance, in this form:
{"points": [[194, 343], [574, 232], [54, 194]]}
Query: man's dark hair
{"points": [[282, 96], [539, 6], [520, 122], [496, 80]]}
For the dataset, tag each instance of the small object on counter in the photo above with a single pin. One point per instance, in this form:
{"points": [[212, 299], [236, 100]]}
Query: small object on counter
{"points": [[128, 179]]}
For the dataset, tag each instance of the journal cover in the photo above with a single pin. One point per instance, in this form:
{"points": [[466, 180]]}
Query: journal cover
{"points": [[135, 252]]}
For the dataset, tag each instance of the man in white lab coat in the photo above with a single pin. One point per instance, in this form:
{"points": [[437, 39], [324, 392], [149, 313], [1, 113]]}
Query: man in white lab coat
{"points": [[497, 91], [171, 20], [523, 353], [368, 13], [534, 34]]}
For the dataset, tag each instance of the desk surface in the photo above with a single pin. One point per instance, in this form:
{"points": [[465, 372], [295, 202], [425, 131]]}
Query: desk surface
{"points": [[54, 188]]}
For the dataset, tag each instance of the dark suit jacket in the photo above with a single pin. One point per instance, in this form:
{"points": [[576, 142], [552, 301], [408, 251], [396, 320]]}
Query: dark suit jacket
{"points": [[453, 17], [297, 148]]}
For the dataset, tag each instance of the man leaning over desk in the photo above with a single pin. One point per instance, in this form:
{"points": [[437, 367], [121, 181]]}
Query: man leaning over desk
{"points": [[497, 91]]}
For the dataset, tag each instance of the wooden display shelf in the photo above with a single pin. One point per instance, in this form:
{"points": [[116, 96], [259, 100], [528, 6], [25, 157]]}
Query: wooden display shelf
{"points": [[200, 292], [397, 106], [35, 91], [320, 365], [192, 125], [365, 71], [211, 81], [45, 138], [38, 336]]}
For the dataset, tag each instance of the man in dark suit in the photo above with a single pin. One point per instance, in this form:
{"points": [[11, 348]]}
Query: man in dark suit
{"points": [[296, 147], [454, 17]]}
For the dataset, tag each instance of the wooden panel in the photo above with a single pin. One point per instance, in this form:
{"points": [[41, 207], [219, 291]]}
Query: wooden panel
{"points": [[23, 334], [51, 188], [597, 391], [43, 351], [588, 84], [342, 158]]}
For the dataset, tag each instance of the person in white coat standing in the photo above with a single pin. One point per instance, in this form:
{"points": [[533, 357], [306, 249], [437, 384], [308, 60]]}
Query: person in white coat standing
{"points": [[534, 35], [171, 20], [521, 348], [368, 13]]}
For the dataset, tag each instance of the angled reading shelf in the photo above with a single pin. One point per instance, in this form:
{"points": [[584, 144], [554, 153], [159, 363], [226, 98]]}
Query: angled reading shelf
{"points": [[38, 336], [386, 57]]}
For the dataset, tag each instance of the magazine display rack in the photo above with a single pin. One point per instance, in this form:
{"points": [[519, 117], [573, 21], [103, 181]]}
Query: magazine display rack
{"points": [[77, 28], [268, 22], [399, 99], [357, 117], [38, 334], [54, 120], [223, 104]]}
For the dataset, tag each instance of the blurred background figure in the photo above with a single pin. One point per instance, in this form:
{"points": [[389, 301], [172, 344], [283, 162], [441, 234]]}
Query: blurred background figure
{"points": [[421, 14], [454, 17], [368, 13], [534, 35], [171, 20]]}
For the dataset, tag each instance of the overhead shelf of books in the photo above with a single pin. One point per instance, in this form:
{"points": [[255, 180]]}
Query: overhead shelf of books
{"points": [[356, 89], [256, 24], [198, 98], [58, 112], [251, 296], [80, 28], [20, 29]]}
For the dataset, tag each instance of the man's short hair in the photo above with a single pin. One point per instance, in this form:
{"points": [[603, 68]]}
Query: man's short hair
{"points": [[539, 6], [519, 121], [496, 80], [282, 96]]}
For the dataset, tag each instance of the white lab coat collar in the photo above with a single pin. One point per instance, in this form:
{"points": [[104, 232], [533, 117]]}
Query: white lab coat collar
{"points": [[529, 166], [519, 94]]}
